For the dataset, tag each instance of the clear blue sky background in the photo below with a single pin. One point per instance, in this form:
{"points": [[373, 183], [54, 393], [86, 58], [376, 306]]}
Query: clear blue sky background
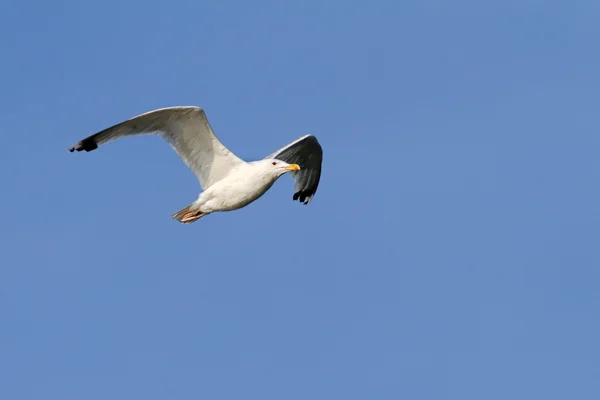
{"points": [[451, 252]]}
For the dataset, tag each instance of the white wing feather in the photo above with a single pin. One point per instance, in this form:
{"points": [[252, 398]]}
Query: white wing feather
{"points": [[188, 132]]}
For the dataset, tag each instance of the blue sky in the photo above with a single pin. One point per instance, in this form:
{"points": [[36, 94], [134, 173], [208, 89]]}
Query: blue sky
{"points": [[451, 251]]}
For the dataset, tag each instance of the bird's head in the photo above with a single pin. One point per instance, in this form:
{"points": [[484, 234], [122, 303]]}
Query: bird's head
{"points": [[278, 167]]}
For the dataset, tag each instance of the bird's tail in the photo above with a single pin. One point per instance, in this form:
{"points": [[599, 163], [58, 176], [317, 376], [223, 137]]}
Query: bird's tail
{"points": [[187, 215]]}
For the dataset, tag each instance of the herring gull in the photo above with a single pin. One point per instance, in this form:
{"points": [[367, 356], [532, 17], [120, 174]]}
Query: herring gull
{"points": [[228, 183]]}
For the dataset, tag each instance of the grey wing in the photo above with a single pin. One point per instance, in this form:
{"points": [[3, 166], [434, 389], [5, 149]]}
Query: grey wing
{"points": [[188, 132], [308, 154]]}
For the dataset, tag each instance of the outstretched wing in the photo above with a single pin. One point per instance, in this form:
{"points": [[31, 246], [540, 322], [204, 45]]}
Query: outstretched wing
{"points": [[308, 154], [188, 132]]}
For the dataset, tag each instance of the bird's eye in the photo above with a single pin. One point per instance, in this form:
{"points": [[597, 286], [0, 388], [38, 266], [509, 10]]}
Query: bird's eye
{"points": [[274, 163]]}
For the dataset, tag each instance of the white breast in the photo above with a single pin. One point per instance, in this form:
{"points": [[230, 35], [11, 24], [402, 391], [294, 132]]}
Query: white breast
{"points": [[244, 185]]}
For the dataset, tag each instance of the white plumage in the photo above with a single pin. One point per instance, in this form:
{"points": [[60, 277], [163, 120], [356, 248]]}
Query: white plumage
{"points": [[228, 182]]}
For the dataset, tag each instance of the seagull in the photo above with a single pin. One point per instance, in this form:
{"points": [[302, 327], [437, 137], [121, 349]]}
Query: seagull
{"points": [[228, 183]]}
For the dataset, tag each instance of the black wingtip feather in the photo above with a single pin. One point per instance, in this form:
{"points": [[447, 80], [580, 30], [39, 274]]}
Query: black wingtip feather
{"points": [[302, 196], [85, 145]]}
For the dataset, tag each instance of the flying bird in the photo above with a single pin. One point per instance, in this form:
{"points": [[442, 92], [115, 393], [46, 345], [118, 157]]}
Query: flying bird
{"points": [[228, 183]]}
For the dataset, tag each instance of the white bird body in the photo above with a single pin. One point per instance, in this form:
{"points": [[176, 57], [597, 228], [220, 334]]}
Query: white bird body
{"points": [[228, 182], [245, 184]]}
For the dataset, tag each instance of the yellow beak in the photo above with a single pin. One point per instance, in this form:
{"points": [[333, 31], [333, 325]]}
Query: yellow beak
{"points": [[293, 167]]}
